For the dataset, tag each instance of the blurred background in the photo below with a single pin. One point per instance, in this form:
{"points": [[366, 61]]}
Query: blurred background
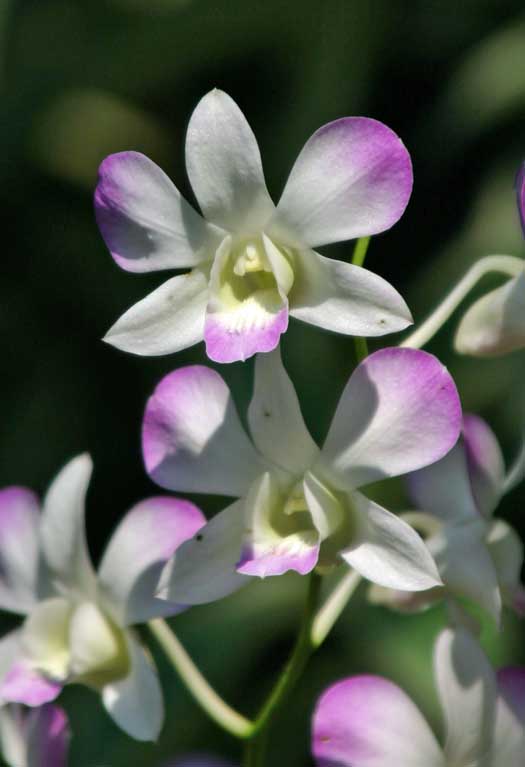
{"points": [[80, 80]]}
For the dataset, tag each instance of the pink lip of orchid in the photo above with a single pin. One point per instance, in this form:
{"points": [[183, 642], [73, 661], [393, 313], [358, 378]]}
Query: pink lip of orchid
{"points": [[252, 262], [78, 623], [298, 506], [478, 557], [34, 737], [367, 721], [495, 323]]}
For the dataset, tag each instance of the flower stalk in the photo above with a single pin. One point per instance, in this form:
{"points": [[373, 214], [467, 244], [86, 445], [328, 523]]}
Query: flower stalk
{"points": [[358, 259]]}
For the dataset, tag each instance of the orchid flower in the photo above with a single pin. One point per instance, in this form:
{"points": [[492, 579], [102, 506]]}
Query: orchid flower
{"points": [[368, 721], [77, 625], [251, 262], [34, 737], [495, 323], [298, 506], [479, 558]]}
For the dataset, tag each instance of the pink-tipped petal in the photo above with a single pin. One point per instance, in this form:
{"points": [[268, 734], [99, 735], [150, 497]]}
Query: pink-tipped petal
{"points": [[143, 219], [48, 737], [192, 438], [367, 721], [23, 684], [224, 165], [243, 332], [353, 178], [399, 411], [19, 549], [485, 463], [139, 548]]}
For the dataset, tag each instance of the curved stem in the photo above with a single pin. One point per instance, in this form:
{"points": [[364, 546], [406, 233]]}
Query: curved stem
{"points": [[333, 607], [302, 650], [509, 265], [216, 708], [358, 259]]}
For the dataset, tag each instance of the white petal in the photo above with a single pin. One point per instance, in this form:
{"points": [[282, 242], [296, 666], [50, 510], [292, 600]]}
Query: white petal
{"points": [[353, 178], [139, 548], [276, 422], [399, 411], [63, 528], [9, 652], [97, 646], [465, 564], [13, 736], [485, 463], [387, 551], [345, 298], [443, 488], [509, 730], [467, 690], [506, 550], [19, 549], [495, 323], [144, 221], [135, 702], [224, 166], [168, 320], [44, 638], [192, 438], [204, 569]]}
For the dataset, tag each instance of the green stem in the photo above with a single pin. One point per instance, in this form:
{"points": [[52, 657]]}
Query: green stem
{"points": [[358, 259], [256, 747], [216, 708], [333, 607]]}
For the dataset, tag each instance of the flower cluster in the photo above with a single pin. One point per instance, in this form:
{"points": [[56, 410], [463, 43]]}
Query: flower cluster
{"points": [[294, 505]]}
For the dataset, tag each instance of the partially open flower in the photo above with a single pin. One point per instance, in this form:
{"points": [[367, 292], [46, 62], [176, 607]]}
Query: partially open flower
{"points": [[300, 507], [252, 262], [368, 721], [479, 558], [36, 737], [77, 625], [495, 323]]}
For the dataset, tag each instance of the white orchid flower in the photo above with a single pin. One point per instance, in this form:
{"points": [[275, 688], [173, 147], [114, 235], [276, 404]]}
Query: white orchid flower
{"points": [[299, 506], [77, 625], [37, 737], [479, 558], [252, 262], [495, 323], [368, 721]]}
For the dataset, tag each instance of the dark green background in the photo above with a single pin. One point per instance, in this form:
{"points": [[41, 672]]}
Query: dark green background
{"points": [[82, 79]]}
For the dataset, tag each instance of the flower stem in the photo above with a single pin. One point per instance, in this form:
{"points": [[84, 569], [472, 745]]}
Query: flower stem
{"points": [[358, 259], [333, 607], [509, 265], [256, 747], [216, 708]]}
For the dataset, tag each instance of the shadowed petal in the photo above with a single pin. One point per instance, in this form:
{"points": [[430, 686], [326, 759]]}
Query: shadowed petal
{"points": [[506, 549], [353, 178], [192, 438], [48, 737], [144, 221], [367, 721], [485, 463], [19, 549]]}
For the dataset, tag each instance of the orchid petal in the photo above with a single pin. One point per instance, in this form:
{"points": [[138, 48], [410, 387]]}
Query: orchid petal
{"points": [[224, 166], [345, 298], [495, 323], [276, 422], [508, 744], [13, 735], [63, 528], [465, 564], [96, 645], [399, 411], [273, 544], [134, 702], [506, 550], [144, 221], [48, 736], [19, 549], [444, 489], [44, 638], [192, 438], [139, 548], [204, 568], [485, 463], [467, 690], [241, 319], [168, 320], [367, 721], [511, 687], [387, 551], [24, 684], [353, 178]]}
